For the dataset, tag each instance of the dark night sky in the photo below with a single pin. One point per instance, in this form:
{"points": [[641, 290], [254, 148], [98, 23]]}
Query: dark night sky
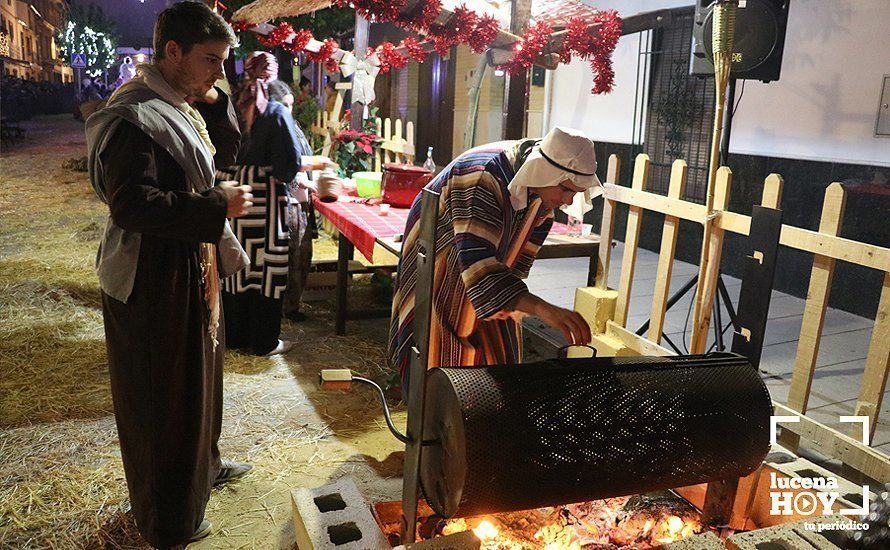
{"points": [[134, 18]]}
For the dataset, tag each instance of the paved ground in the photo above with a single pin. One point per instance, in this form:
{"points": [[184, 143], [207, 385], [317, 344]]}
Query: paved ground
{"points": [[841, 357]]}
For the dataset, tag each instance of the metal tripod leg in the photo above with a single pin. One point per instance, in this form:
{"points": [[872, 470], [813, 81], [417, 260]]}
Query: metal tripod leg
{"points": [[718, 328], [671, 301]]}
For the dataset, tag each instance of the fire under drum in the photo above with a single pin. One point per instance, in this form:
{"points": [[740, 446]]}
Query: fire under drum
{"points": [[507, 438]]}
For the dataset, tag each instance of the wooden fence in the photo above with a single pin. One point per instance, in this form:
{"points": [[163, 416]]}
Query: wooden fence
{"points": [[607, 309]]}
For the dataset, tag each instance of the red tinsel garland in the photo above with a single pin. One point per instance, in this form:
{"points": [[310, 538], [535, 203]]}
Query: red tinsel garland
{"points": [[414, 48], [331, 65], [389, 58], [422, 16], [380, 11], [278, 35], [464, 27], [299, 42], [241, 26], [324, 52], [484, 34], [457, 30], [529, 48], [595, 45]]}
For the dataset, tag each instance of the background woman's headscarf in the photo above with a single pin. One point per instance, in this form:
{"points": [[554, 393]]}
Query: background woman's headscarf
{"points": [[260, 68]]}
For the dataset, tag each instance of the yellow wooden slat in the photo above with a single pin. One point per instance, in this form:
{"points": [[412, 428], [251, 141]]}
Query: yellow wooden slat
{"points": [[409, 137], [709, 266], [814, 310], [657, 203], [631, 240], [877, 364], [635, 342], [833, 443], [607, 227], [666, 254], [838, 248]]}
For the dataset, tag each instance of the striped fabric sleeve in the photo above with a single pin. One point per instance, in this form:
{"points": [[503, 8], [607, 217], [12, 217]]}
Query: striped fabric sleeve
{"points": [[477, 212], [532, 246]]}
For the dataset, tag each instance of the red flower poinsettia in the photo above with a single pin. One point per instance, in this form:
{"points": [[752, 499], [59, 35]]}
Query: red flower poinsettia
{"points": [[354, 150]]}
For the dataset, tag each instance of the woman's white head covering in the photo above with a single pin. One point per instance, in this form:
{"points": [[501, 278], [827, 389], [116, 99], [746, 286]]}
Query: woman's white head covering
{"points": [[563, 154]]}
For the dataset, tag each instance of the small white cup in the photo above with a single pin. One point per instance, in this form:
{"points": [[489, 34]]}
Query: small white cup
{"points": [[586, 229], [384, 209]]}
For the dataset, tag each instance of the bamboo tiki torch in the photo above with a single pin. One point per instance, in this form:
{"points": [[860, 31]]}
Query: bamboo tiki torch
{"points": [[723, 29]]}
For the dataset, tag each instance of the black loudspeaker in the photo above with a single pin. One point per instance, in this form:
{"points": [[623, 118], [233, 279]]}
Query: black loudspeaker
{"points": [[758, 43]]}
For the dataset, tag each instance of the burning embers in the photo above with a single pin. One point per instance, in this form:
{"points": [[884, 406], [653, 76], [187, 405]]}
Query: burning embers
{"points": [[637, 522]]}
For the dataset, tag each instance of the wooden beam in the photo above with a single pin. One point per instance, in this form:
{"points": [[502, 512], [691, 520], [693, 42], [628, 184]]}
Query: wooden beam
{"points": [[830, 246], [666, 255], [362, 31], [607, 226], [837, 445], [875, 257], [814, 311], [631, 240], [516, 92], [669, 206], [709, 267], [877, 364], [635, 342], [839, 248]]}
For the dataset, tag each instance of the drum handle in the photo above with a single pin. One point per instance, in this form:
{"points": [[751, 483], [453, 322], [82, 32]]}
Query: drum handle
{"points": [[563, 352]]}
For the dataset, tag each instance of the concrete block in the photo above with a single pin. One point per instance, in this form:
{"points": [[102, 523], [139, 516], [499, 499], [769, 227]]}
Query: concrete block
{"points": [[704, 541], [789, 536], [335, 517]]}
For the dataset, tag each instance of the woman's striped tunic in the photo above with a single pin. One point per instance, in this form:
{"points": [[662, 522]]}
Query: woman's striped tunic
{"points": [[476, 276]]}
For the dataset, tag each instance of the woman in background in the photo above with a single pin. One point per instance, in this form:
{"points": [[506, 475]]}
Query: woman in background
{"points": [[268, 161], [300, 216]]}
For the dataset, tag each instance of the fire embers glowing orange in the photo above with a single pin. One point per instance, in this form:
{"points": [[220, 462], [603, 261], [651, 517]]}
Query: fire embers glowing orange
{"points": [[638, 522]]}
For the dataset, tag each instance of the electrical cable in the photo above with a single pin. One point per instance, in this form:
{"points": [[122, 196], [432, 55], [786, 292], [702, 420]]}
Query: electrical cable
{"points": [[686, 324], [739, 100]]}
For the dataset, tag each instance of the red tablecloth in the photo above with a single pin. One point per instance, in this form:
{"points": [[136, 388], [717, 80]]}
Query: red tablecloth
{"points": [[362, 223]]}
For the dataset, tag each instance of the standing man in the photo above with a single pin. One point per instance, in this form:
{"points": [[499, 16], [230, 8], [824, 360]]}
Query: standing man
{"points": [[166, 244], [496, 207]]}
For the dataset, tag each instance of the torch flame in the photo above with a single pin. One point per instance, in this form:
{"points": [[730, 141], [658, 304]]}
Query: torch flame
{"points": [[485, 530]]}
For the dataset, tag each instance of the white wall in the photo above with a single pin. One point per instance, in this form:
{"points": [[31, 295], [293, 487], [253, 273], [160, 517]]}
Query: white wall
{"points": [[822, 108], [606, 117]]}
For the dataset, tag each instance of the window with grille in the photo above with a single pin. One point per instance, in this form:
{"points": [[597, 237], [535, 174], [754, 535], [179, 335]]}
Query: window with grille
{"points": [[680, 112]]}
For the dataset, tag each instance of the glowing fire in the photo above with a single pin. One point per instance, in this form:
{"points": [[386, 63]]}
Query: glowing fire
{"points": [[485, 530], [576, 526]]}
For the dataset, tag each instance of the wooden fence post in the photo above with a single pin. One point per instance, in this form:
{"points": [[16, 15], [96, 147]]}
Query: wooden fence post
{"points": [[607, 228], [814, 312], [877, 364], [709, 267], [666, 255], [631, 240]]}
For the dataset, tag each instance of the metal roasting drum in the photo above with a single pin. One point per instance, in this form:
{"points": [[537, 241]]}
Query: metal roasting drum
{"points": [[516, 437]]}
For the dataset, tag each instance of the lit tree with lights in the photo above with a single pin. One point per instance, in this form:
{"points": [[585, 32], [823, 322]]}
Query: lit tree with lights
{"points": [[91, 33]]}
